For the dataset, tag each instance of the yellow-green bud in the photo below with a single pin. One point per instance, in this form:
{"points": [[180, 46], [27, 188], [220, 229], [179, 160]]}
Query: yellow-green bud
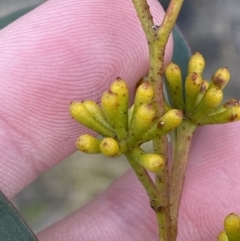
{"points": [[196, 64], [152, 162], [81, 114], [110, 147], [119, 86], [192, 89], [222, 236], [88, 144], [209, 102], [220, 78], [110, 103], [144, 94], [141, 122], [232, 227], [96, 112], [174, 82]]}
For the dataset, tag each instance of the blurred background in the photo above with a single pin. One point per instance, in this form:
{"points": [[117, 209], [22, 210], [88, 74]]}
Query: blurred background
{"points": [[211, 27]]}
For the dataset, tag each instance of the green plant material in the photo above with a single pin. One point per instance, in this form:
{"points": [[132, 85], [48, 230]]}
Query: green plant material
{"points": [[14, 16], [12, 225], [184, 134]]}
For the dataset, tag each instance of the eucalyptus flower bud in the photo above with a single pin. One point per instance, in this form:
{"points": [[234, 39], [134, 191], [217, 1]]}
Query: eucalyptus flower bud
{"points": [[220, 78], [110, 147], [81, 114], [88, 144], [96, 112], [110, 104], [120, 87], [141, 122], [192, 89], [174, 82], [196, 64]]}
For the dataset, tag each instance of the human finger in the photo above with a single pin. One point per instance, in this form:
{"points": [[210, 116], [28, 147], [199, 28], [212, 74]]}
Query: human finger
{"points": [[122, 212], [61, 51]]}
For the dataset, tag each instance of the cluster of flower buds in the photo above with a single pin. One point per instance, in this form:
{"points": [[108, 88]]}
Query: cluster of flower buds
{"points": [[124, 130], [201, 100], [231, 228]]}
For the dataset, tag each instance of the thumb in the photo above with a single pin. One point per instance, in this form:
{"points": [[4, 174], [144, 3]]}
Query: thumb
{"points": [[61, 51]]}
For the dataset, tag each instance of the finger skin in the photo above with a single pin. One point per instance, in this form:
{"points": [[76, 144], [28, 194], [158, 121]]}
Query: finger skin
{"points": [[61, 51], [211, 192]]}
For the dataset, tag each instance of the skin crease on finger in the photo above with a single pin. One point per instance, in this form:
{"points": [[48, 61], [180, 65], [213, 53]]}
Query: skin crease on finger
{"points": [[211, 192], [61, 51]]}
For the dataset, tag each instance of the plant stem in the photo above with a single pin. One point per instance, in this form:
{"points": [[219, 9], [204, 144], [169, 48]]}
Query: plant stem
{"points": [[157, 40], [184, 134], [162, 183], [145, 17], [157, 199], [157, 53]]}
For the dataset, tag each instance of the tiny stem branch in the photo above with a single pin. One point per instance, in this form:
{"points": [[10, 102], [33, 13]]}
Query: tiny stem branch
{"points": [[184, 134]]}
